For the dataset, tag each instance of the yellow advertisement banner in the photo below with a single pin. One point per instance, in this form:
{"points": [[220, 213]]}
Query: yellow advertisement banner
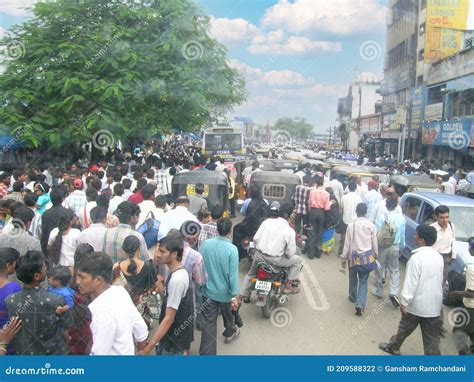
{"points": [[445, 22]]}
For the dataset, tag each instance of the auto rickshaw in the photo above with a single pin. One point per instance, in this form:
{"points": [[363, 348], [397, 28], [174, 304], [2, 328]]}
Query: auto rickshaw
{"points": [[334, 162], [383, 174], [343, 174], [215, 186], [403, 183], [276, 186]]}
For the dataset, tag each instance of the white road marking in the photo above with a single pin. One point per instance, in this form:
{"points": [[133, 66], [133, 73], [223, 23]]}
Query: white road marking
{"points": [[321, 303]]}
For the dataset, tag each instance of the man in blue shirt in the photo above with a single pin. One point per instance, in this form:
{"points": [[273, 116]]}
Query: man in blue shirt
{"points": [[221, 260], [388, 257]]}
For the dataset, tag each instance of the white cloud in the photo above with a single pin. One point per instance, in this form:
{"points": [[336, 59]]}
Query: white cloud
{"points": [[232, 32], [296, 45], [273, 78], [276, 78], [340, 17], [317, 90], [16, 7]]}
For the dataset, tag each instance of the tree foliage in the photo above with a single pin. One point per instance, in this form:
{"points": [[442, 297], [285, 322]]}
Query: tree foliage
{"points": [[297, 127], [135, 68]]}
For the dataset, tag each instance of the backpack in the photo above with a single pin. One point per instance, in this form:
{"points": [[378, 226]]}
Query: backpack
{"points": [[387, 233], [149, 229]]}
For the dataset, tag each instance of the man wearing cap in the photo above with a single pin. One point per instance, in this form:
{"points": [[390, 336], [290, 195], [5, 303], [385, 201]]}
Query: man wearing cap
{"points": [[175, 218], [371, 199], [277, 250], [77, 200]]}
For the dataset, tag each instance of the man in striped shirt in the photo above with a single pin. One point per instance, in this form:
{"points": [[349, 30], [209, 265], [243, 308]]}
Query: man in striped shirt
{"points": [[422, 295], [301, 199]]}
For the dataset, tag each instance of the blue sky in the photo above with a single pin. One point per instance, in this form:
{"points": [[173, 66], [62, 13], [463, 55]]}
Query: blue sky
{"points": [[298, 56]]}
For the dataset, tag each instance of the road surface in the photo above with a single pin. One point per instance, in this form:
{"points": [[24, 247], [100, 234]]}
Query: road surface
{"points": [[321, 320]]}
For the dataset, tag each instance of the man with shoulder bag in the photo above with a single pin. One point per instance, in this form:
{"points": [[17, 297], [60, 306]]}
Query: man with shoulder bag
{"points": [[391, 240], [360, 248]]}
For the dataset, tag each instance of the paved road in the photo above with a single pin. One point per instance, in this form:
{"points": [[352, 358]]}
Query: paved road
{"points": [[321, 320]]}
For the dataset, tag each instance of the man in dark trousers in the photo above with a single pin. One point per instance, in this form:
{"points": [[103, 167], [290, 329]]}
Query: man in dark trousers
{"points": [[51, 217]]}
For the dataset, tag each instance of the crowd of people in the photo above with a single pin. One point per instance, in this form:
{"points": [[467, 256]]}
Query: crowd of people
{"points": [[96, 258]]}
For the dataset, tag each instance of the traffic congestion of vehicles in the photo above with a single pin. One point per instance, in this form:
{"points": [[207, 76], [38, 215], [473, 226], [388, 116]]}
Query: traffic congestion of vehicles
{"points": [[283, 207]]}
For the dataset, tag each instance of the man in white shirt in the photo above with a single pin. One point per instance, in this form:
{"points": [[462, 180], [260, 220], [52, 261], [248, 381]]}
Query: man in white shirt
{"points": [[176, 217], [337, 187], [349, 203], [116, 322], [422, 295], [277, 250], [381, 207], [445, 238], [148, 204], [372, 198], [95, 233], [117, 198], [85, 213], [449, 187]]}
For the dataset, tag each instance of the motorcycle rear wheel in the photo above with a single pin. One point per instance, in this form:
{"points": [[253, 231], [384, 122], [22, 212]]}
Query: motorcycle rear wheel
{"points": [[269, 304]]}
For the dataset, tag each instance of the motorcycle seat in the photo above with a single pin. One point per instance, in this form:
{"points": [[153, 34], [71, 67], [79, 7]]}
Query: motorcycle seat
{"points": [[269, 268]]}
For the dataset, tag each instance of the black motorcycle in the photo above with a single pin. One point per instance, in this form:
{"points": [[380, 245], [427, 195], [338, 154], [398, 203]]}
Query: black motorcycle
{"points": [[269, 285]]}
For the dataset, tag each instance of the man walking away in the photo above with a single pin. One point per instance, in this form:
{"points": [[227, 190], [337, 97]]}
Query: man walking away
{"points": [[349, 203], [197, 201], [422, 295], [360, 238], [391, 240], [221, 260], [319, 203], [40, 333]]}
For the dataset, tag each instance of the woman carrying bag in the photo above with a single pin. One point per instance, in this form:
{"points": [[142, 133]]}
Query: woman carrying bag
{"points": [[140, 280]]}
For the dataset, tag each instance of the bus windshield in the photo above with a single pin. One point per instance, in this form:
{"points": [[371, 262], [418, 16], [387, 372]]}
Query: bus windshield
{"points": [[223, 143]]}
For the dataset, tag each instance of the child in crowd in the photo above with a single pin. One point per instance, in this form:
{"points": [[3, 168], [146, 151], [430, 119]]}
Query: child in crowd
{"points": [[58, 279]]}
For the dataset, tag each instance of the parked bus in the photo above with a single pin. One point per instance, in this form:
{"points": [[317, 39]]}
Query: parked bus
{"points": [[223, 140]]}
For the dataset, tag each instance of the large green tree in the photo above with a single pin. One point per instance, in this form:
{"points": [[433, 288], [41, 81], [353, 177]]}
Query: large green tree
{"points": [[133, 68], [295, 127]]}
